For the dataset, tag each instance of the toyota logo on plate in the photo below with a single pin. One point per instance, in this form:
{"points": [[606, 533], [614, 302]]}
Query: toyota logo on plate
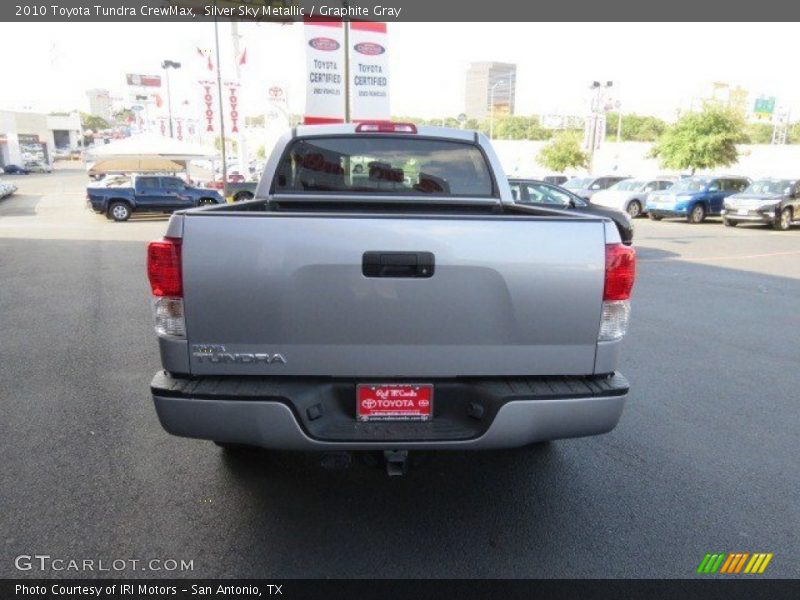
{"points": [[369, 403], [369, 48], [323, 43]]}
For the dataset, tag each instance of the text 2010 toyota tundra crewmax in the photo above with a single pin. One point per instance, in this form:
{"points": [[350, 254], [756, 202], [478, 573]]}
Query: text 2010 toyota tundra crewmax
{"points": [[382, 291]]}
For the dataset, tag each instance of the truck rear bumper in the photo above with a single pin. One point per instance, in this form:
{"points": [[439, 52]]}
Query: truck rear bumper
{"points": [[295, 414]]}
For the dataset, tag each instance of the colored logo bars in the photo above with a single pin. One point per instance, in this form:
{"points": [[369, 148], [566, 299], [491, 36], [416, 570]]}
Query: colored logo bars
{"points": [[734, 563]]}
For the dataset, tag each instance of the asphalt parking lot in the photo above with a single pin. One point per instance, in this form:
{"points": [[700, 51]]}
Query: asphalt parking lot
{"points": [[705, 458]]}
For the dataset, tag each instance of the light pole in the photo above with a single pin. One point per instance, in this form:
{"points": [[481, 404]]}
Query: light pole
{"points": [[241, 141], [596, 107], [618, 106], [167, 65], [491, 108]]}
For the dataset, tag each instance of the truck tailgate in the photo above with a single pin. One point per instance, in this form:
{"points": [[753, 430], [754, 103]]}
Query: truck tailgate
{"points": [[509, 295]]}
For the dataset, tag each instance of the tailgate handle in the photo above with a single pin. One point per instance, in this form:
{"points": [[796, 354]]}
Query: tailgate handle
{"points": [[398, 264]]}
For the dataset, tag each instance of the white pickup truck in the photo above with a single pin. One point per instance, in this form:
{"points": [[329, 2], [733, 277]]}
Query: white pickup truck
{"points": [[383, 291]]}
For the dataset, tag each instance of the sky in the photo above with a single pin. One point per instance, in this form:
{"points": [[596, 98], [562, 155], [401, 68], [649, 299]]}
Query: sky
{"points": [[657, 68]]}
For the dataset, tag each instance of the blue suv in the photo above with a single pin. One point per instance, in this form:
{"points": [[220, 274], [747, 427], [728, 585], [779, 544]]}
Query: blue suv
{"points": [[694, 198]]}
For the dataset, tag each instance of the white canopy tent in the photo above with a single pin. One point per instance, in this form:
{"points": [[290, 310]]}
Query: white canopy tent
{"points": [[146, 153]]}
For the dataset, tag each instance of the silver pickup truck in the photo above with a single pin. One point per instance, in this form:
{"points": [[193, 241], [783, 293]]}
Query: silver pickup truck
{"points": [[383, 291]]}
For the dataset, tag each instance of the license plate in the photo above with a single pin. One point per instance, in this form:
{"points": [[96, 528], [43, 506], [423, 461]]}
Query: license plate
{"points": [[743, 211], [394, 401]]}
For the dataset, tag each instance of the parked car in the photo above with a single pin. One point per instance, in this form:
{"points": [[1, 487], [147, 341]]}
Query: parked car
{"points": [[586, 187], [15, 170], [38, 167], [694, 198], [416, 307], [555, 179], [238, 192], [630, 195], [235, 177], [148, 193], [7, 189], [772, 201], [539, 193]]}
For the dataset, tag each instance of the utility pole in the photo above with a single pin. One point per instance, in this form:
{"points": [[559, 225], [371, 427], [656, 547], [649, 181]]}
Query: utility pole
{"points": [[244, 164], [618, 105], [596, 106], [167, 65], [221, 112], [346, 25], [491, 108]]}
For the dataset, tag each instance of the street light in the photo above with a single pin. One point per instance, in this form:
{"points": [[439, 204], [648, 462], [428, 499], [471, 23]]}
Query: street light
{"points": [[596, 107], [491, 107], [167, 65]]}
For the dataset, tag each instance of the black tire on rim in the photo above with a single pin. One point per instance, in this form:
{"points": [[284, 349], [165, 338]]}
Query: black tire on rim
{"points": [[784, 220], [119, 211], [242, 196], [729, 223], [697, 214], [654, 217], [634, 209]]}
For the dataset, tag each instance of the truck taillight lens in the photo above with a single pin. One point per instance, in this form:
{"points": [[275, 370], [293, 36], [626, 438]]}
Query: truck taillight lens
{"points": [[620, 272], [168, 316], [166, 283], [620, 275], [164, 267]]}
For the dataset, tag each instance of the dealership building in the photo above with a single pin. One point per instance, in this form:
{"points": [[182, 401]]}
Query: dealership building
{"points": [[26, 136]]}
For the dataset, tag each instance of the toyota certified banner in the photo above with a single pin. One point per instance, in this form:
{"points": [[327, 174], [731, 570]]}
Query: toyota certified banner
{"points": [[325, 95], [369, 71]]}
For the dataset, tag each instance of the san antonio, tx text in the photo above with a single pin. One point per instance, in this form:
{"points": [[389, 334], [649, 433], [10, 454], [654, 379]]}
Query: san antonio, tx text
{"points": [[130, 589]]}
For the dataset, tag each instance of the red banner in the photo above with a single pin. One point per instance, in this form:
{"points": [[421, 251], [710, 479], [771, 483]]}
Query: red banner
{"points": [[233, 99], [207, 94]]}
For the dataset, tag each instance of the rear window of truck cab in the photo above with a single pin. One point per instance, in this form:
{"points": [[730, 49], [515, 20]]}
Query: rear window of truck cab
{"points": [[394, 165]]}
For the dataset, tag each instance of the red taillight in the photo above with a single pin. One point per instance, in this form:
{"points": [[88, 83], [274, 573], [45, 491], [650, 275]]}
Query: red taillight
{"points": [[164, 267], [620, 272], [385, 127]]}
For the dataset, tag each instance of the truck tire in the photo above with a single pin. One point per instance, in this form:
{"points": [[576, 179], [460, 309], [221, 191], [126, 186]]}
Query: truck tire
{"points": [[119, 211], [697, 214], [635, 209], [242, 196], [729, 223], [654, 217], [783, 222]]}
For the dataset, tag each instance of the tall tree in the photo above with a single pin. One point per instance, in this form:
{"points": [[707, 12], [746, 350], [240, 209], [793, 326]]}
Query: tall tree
{"points": [[94, 122], [635, 128], [564, 152], [701, 140]]}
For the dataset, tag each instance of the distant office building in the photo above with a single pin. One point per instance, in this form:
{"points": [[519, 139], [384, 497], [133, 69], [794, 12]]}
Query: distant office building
{"points": [[100, 103], [491, 87], [26, 136]]}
